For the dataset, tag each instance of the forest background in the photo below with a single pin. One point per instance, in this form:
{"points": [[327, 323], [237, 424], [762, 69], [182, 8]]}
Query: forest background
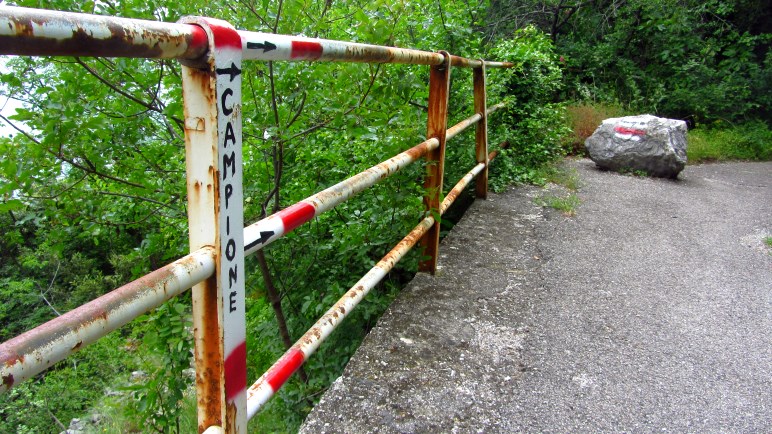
{"points": [[92, 181]]}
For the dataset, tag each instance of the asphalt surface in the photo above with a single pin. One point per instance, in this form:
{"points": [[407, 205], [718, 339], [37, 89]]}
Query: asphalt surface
{"points": [[650, 310]]}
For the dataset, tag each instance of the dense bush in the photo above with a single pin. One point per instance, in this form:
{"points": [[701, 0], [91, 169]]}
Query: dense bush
{"points": [[698, 61], [535, 125], [94, 193]]}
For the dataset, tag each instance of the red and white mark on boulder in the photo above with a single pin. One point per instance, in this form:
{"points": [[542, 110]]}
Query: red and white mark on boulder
{"points": [[621, 129]]}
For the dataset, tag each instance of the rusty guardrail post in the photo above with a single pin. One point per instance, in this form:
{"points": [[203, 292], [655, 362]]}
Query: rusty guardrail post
{"points": [[439, 90], [212, 99], [481, 130]]}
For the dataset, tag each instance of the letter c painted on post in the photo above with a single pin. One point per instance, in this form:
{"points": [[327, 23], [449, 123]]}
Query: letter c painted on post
{"points": [[225, 110]]}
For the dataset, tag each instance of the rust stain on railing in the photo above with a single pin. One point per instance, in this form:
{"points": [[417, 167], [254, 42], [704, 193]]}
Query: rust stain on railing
{"points": [[35, 32], [38, 32], [32, 352]]}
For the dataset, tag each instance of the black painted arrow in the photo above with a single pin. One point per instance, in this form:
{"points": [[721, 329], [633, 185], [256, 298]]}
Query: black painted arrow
{"points": [[233, 71], [266, 46], [264, 236]]}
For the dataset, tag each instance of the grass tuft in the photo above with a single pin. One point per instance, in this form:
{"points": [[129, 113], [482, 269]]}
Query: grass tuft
{"points": [[566, 205], [560, 175]]}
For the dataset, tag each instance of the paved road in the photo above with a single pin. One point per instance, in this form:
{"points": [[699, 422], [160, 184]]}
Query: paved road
{"points": [[650, 310]]}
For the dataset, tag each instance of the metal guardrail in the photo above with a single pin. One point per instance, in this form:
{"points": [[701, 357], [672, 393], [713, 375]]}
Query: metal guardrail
{"points": [[211, 53]]}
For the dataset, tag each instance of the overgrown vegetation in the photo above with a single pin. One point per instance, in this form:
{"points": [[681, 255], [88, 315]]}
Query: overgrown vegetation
{"points": [[534, 124], [720, 142], [92, 184]]}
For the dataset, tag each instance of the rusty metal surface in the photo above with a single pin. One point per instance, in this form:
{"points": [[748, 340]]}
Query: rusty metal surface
{"points": [[463, 125], [333, 196], [33, 342], [436, 126], [212, 102], [494, 108], [263, 389], [466, 179], [34, 351], [265, 46], [199, 98], [481, 130], [462, 62], [38, 32], [264, 232]]}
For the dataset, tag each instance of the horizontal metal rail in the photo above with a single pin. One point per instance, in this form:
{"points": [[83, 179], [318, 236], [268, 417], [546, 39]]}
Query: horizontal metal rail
{"points": [[38, 349], [35, 32], [273, 379], [32, 352], [269, 229], [38, 32]]}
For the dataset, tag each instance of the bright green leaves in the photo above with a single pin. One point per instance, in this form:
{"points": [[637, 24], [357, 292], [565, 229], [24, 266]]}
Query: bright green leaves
{"points": [[158, 397]]}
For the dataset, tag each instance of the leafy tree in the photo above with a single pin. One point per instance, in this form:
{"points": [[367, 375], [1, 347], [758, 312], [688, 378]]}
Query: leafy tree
{"points": [[699, 61]]}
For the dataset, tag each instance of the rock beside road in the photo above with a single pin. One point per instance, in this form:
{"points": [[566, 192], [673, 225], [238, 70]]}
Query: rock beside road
{"points": [[645, 143]]}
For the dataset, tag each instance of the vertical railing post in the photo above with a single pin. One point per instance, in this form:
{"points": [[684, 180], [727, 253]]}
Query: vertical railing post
{"points": [[439, 90], [481, 130], [212, 99]]}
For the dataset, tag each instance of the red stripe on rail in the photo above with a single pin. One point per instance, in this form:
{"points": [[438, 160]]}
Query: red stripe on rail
{"points": [[225, 37], [236, 371], [304, 50], [284, 368], [296, 215], [199, 37]]}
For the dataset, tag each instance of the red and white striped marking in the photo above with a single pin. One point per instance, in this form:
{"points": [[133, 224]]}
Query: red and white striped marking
{"points": [[259, 234], [268, 46], [630, 130], [270, 382], [227, 59], [265, 231], [225, 56]]}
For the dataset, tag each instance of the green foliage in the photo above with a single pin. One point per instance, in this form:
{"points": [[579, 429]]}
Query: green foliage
{"points": [[93, 195], [699, 61], [561, 175], [633, 172], [534, 126], [157, 400], [67, 389], [719, 142]]}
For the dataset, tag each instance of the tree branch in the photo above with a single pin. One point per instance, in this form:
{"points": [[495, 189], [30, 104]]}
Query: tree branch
{"points": [[60, 156], [349, 110]]}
